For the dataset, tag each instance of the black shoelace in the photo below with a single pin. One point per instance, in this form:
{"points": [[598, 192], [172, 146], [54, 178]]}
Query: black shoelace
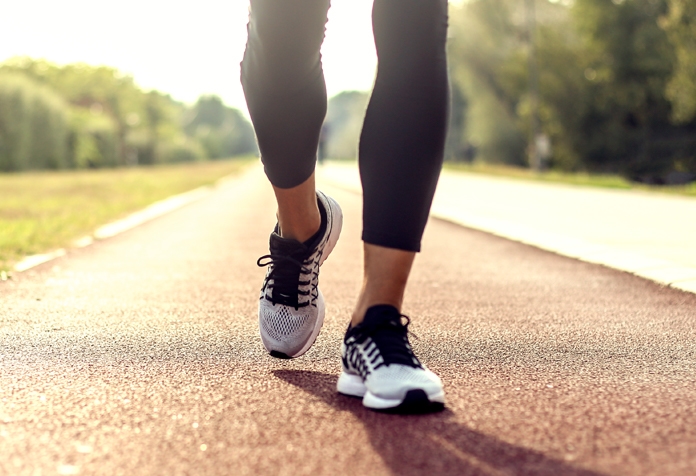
{"points": [[389, 341], [285, 273]]}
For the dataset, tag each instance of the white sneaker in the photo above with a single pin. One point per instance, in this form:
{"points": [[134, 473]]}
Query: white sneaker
{"points": [[379, 366], [291, 307]]}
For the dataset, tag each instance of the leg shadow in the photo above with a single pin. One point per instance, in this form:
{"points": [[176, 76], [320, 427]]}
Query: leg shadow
{"points": [[431, 444]]}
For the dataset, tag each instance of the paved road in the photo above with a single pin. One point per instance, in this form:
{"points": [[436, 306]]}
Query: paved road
{"points": [[649, 234], [140, 355]]}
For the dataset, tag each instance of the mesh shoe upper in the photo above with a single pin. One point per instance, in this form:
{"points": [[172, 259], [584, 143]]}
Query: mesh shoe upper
{"points": [[378, 351], [291, 307]]}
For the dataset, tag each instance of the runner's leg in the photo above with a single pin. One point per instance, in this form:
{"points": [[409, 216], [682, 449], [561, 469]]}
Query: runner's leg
{"points": [[284, 86], [402, 142], [401, 151]]}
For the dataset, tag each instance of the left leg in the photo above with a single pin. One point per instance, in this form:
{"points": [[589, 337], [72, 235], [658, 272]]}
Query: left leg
{"points": [[385, 275]]}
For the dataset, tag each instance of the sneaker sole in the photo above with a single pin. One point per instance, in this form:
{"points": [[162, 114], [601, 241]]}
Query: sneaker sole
{"points": [[351, 385], [334, 234], [415, 401]]}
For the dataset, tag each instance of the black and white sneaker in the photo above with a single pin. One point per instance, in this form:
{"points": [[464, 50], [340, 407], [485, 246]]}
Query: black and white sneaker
{"points": [[379, 366], [291, 306]]}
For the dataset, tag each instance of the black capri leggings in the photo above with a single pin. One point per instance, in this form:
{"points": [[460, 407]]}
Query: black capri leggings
{"points": [[403, 136]]}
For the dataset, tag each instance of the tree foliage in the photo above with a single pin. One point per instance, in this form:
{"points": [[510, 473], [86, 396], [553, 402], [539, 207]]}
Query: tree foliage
{"points": [[680, 24], [343, 124], [33, 125], [78, 116], [221, 130], [614, 83]]}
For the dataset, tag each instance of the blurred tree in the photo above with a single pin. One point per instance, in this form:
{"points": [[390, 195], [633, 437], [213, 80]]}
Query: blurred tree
{"points": [[488, 61], [605, 70], [33, 125], [91, 87], [627, 129], [680, 24], [209, 111], [93, 140], [182, 148], [109, 121], [221, 130], [457, 147], [343, 124]]}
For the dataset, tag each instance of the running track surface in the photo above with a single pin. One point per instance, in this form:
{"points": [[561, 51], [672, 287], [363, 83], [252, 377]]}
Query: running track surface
{"points": [[140, 355]]}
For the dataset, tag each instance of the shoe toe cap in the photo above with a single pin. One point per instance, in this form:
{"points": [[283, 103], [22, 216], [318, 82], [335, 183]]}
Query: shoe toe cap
{"points": [[394, 381], [284, 331]]}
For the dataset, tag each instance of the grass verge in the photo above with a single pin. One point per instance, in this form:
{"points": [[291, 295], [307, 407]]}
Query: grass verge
{"points": [[583, 179], [40, 211]]}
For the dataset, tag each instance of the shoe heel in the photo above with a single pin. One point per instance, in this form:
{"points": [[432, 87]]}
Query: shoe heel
{"points": [[351, 385]]}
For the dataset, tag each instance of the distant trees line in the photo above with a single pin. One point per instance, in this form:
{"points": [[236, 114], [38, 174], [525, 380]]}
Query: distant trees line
{"points": [[616, 82], [616, 94], [80, 116]]}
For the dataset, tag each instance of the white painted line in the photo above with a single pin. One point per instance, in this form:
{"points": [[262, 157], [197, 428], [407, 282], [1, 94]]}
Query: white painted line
{"points": [[151, 212], [669, 275], [155, 210], [35, 260], [616, 258], [82, 242], [689, 286]]}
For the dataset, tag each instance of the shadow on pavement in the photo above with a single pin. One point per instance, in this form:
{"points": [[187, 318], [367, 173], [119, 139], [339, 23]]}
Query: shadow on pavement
{"points": [[431, 444]]}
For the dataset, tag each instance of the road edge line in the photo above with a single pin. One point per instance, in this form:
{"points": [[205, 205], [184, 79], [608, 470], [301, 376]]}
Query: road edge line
{"points": [[655, 270], [132, 220]]}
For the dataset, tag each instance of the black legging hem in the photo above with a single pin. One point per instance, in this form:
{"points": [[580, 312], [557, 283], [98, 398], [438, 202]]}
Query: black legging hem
{"points": [[391, 240]]}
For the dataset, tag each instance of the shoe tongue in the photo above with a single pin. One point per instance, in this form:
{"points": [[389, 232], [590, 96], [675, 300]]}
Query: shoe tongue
{"points": [[286, 246], [381, 313], [389, 338]]}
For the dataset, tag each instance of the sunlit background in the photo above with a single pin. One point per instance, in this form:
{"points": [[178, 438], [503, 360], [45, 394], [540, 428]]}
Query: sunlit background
{"points": [[588, 91], [604, 87], [182, 48]]}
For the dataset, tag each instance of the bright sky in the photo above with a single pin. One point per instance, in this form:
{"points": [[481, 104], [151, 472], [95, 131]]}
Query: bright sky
{"points": [[182, 48]]}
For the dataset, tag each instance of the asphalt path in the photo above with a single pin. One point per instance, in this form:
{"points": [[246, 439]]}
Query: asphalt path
{"points": [[140, 355]]}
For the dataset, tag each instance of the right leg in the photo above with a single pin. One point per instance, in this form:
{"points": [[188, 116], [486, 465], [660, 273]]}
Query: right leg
{"points": [[284, 86]]}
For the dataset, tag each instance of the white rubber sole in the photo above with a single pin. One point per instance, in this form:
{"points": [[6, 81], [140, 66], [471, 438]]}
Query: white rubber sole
{"points": [[353, 386], [376, 403]]}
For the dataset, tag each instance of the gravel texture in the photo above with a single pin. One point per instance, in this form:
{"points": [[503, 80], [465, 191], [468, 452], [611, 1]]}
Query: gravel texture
{"points": [[140, 355]]}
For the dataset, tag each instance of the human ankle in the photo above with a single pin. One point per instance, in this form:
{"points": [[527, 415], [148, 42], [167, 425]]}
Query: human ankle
{"points": [[298, 211], [385, 277], [300, 230], [361, 310]]}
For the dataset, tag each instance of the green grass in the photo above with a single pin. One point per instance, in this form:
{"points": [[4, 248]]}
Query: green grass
{"points": [[40, 211], [583, 179]]}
